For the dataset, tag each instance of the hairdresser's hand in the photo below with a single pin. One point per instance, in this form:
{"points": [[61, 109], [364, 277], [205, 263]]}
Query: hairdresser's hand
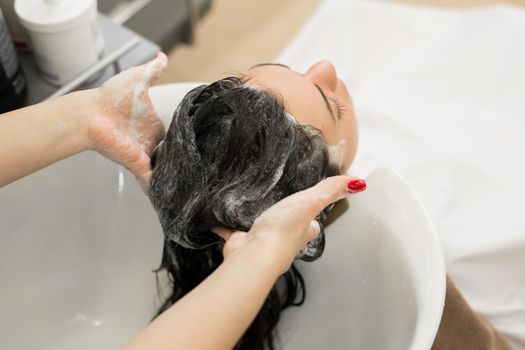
{"points": [[287, 226], [125, 127]]}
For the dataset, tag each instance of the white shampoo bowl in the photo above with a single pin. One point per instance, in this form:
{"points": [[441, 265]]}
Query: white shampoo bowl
{"points": [[380, 284], [79, 241]]}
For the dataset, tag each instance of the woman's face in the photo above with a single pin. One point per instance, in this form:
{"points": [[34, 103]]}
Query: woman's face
{"points": [[316, 98]]}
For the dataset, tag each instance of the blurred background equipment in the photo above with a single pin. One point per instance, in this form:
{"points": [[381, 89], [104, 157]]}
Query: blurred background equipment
{"points": [[114, 34], [165, 22], [13, 86]]}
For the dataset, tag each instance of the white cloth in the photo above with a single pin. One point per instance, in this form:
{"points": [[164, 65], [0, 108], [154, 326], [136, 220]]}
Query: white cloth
{"points": [[440, 95]]}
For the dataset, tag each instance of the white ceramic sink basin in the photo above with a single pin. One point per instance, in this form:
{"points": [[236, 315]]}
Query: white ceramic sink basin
{"points": [[380, 284], [78, 242]]}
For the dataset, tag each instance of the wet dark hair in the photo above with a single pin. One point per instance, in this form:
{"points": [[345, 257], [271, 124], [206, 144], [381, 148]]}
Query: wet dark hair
{"points": [[231, 152]]}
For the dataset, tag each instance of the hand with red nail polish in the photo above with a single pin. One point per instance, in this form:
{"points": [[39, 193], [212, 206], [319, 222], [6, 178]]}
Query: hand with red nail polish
{"points": [[285, 228], [227, 301]]}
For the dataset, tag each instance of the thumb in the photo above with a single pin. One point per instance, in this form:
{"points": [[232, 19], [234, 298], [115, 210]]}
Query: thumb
{"points": [[154, 69], [234, 239], [224, 232]]}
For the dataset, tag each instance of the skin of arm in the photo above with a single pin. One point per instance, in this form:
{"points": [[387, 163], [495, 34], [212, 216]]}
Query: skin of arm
{"points": [[100, 119], [34, 137], [215, 314]]}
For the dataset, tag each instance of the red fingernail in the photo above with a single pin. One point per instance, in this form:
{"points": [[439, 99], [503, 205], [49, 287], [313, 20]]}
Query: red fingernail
{"points": [[357, 185]]}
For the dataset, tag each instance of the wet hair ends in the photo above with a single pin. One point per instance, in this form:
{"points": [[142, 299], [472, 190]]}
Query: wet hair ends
{"points": [[230, 153]]}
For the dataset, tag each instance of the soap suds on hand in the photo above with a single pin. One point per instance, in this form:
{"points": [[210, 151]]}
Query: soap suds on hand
{"points": [[138, 106]]}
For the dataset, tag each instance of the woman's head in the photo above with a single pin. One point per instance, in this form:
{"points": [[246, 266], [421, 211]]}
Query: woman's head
{"points": [[230, 153], [238, 145]]}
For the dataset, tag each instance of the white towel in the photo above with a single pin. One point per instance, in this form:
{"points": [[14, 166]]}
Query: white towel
{"points": [[440, 95]]}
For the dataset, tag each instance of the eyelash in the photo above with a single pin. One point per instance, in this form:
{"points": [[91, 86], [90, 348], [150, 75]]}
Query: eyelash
{"points": [[339, 106]]}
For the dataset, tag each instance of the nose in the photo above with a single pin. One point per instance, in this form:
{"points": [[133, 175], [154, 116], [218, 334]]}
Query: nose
{"points": [[323, 74]]}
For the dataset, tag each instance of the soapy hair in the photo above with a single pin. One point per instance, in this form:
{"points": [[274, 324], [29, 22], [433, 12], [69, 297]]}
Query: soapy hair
{"points": [[230, 153]]}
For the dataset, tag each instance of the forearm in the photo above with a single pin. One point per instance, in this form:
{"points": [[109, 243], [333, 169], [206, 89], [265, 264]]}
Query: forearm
{"points": [[217, 312], [34, 137]]}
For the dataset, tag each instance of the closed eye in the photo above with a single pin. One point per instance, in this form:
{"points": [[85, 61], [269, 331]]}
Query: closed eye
{"points": [[339, 106], [327, 103]]}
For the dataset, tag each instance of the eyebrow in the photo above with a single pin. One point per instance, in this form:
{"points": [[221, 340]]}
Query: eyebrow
{"points": [[327, 103], [270, 64]]}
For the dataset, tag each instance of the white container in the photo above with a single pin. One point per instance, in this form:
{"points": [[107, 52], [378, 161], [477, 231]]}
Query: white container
{"points": [[64, 34]]}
